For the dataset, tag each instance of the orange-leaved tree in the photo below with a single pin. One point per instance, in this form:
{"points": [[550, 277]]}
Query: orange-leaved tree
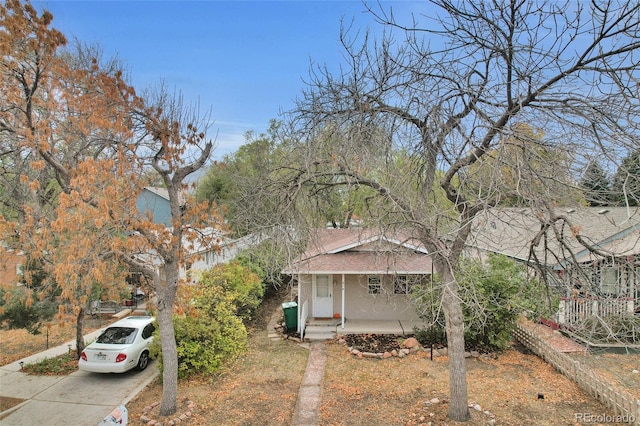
{"points": [[77, 147]]}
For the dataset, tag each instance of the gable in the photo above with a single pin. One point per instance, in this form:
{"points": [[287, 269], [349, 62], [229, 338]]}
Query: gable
{"points": [[332, 241], [361, 251]]}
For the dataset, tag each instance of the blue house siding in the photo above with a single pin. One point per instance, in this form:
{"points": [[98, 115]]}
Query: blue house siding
{"points": [[154, 201]]}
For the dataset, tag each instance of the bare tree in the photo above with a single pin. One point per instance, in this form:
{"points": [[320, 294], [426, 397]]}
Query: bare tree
{"points": [[452, 90]]}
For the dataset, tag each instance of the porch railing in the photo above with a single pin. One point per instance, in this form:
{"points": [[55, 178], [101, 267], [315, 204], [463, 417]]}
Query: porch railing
{"points": [[304, 314], [577, 309]]}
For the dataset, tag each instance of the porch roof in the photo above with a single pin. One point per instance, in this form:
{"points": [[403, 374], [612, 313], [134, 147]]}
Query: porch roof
{"points": [[365, 263]]}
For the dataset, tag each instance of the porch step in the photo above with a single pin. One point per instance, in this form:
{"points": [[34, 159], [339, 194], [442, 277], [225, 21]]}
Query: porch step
{"points": [[313, 328], [314, 332], [314, 337], [323, 323]]}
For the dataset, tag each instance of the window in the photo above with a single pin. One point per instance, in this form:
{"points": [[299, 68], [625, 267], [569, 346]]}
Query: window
{"points": [[374, 285], [401, 284], [610, 280], [118, 336], [148, 331]]}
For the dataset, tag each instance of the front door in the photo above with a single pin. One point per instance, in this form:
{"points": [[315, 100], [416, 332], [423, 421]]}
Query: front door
{"points": [[322, 300]]}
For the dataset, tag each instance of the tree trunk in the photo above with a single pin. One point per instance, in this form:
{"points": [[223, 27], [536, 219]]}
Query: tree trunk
{"points": [[452, 306], [166, 293], [79, 332]]}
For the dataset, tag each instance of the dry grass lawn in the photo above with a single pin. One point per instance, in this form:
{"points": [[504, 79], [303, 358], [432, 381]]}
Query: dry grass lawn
{"points": [[260, 388]]}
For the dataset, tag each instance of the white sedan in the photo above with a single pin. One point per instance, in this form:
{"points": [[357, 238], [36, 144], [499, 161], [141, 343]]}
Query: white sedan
{"points": [[122, 346]]}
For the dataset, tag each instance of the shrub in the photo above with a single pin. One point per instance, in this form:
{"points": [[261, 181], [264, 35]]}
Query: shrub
{"points": [[494, 296], [242, 286], [209, 332], [19, 310], [624, 330], [204, 344]]}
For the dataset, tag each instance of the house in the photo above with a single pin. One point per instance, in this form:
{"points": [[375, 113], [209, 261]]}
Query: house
{"points": [[215, 248], [359, 278], [154, 201], [11, 267], [603, 279]]}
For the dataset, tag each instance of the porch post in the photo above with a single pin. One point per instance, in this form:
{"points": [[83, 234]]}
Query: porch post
{"points": [[342, 309], [299, 305]]}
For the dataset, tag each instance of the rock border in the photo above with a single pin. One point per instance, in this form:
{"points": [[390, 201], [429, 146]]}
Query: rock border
{"points": [[472, 405], [178, 419], [408, 346]]}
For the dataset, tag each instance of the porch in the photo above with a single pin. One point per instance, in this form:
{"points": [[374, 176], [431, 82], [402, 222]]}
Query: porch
{"points": [[576, 309], [316, 329]]}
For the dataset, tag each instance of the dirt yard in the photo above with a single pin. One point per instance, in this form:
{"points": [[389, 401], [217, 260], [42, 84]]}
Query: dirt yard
{"points": [[513, 388], [18, 343]]}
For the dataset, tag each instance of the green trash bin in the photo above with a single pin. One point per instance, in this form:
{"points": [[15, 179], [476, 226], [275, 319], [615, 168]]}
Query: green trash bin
{"points": [[290, 310]]}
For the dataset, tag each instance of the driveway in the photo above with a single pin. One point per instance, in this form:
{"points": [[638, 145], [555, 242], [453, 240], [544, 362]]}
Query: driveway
{"points": [[80, 398]]}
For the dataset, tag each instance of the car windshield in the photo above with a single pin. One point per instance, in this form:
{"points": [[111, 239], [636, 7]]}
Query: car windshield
{"points": [[118, 335]]}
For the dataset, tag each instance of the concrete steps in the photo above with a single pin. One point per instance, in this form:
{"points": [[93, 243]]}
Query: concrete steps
{"points": [[318, 330]]}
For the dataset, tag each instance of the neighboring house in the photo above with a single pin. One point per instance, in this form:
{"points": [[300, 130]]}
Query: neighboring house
{"points": [[358, 274], [154, 201], [11, 268], [606, 282], [221, 249]]}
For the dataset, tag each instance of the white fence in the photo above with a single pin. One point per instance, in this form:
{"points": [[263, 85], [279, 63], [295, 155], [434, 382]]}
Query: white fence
{"points": [[577, 309]]}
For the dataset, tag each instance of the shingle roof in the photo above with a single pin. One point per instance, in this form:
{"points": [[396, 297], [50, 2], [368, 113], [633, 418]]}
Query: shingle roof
{"points": [[511, 230], [361, 251]]}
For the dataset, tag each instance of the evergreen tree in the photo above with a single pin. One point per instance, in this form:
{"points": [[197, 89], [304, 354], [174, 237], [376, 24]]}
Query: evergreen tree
{"points": [[596, 185], [626, 181]]}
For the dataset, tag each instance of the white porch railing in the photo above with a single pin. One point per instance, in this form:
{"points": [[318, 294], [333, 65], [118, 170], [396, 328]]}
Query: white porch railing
{"points": [[576, 309], [304, 314]]}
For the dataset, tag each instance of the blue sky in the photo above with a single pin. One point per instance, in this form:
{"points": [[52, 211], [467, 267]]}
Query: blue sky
{"points": [[242, 61]]}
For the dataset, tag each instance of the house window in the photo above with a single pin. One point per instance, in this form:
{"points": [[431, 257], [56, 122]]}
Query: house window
{"points": [[610, 280], [374, 284], [401, 284]]}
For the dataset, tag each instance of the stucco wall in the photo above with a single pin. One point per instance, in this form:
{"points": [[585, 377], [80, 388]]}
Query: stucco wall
{"points": [[358, 303]]}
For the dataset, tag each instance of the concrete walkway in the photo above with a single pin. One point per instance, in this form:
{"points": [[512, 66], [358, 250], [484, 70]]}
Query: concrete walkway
{"points": [[310, 392]]}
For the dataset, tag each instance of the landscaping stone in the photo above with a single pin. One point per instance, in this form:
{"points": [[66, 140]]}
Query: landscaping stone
{"points": [[411, 342]]}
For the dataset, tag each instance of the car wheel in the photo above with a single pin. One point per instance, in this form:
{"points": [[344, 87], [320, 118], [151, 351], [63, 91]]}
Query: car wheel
{"points": [[143, 361]]}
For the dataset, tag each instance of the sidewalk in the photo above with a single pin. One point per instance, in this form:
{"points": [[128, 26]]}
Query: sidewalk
{"points": [[49, 353], [307, 411]]}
